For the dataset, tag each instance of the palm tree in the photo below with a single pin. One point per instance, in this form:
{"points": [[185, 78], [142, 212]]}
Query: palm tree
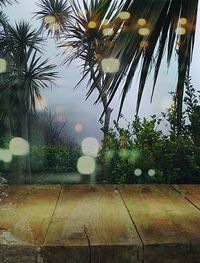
{"points": [[21, 83], [86, 40], [141, 37], [153, 27]]}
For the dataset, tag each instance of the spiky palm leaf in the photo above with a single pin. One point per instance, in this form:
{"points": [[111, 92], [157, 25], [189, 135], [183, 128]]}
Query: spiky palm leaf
{"points": [[87, 44], [23, 78], [163, 19], [55, 15], [17, 40], [5, 2], [23, 90]]}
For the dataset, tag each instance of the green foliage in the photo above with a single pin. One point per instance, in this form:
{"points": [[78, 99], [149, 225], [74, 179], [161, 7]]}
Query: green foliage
{"points": [[173, 156], [54, 158]]}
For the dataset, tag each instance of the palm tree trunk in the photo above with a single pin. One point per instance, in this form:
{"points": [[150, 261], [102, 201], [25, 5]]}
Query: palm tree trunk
{"points": [[25, 135]]}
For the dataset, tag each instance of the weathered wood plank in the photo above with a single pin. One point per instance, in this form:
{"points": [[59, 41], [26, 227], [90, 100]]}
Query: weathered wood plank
{"points": [[167, 223], [95, 219], [24, 219], [191, 192]]}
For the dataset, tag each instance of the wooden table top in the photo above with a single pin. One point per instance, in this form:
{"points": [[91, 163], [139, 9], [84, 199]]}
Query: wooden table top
{"points": [[100, 223]]}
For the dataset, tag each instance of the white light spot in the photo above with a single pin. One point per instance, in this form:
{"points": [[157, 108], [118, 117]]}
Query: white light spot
{"points": [[166, 103], [151, 172], [50, 20], [5, 156], [142, 22], [78, 127], [18, 146], [180, 31], [124, 15], [41, 104], [108, 31], [110, 65], [86, 165], [145, 31], [90, 146], [3, 65], [138, 172]]}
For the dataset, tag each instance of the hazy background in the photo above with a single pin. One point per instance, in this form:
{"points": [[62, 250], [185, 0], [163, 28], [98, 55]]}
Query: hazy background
{"points": [[69, 104]]}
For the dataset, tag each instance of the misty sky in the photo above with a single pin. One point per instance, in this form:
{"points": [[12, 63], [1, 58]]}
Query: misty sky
{"points": [[63, 97]]}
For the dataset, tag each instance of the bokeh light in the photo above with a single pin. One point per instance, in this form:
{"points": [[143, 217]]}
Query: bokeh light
{"points": [[144, 44], [166, 103], [5, 156], [124, 153], [145, 31], [50, 20], [90, 146], [60, 119], [124, 15], [108, 31], [3, 65], [41, 104], [138, 172], [92, 25], [151, 172], [86, 165], [180, 31], [60, 109], [18, 146], [110, 65], [142, 22], [109, 155], [78, 127], [54, 27], [183, 21]]}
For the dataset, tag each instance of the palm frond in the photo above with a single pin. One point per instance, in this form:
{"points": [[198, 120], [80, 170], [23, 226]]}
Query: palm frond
{"points": [[163, 21], [55, 15]]}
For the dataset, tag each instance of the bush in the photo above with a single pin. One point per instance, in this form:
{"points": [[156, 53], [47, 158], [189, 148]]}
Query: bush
{"points": [[162, 158], [54, 158]]}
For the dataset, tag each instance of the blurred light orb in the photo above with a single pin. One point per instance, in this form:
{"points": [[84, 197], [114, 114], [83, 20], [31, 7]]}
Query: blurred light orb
{"points": [[3, 65], [109, 155], [50, 20], [142, 22], [90, 146], [60, 119], [92, 25], [54, 27], [138, 172], [41, 104], [145, 31], [183, 21], [134, 155], [5, 156], [123, 153], [151, 172], [60, 109], [108, 31], [166, 103], [86, 165], [110, 65], [18, 146], [78, 127], [144, 44], [124, 15], [180, 31]]}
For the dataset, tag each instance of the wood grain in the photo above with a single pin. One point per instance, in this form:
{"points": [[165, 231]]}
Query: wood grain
{"points": [[167, 223], [94, 218], [26, 214], [191, 192]]}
